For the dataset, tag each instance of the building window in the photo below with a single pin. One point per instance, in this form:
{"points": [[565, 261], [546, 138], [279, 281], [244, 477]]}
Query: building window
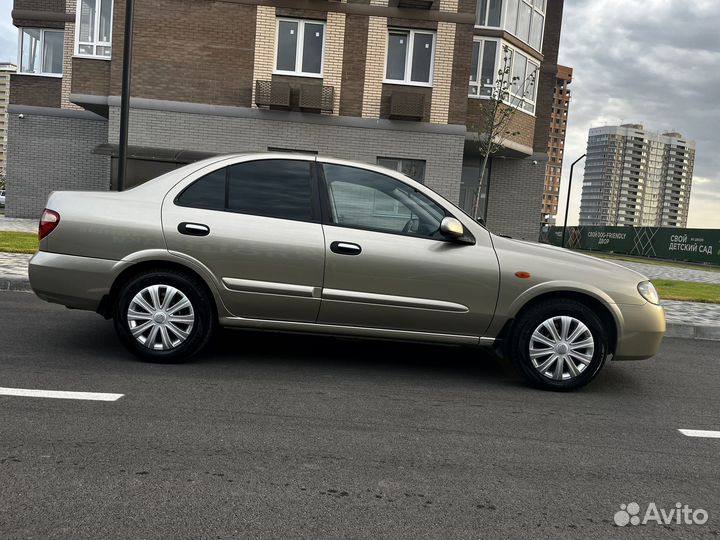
{"points": [[489, 59], [524, 19], [40, 52], [483, 72], [414, 168], [489, 13], [410, 56], [93, 28], [299, 49]]}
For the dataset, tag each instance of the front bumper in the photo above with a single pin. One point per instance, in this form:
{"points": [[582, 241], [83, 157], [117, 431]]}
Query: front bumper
{"points": [[75, 282], [642, 331]]}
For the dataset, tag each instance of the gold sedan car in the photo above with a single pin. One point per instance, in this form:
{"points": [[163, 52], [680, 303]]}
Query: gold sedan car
{"points": [[297, 243]]}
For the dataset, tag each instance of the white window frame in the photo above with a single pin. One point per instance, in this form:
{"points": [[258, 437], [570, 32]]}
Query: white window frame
{"points": [[42, 51], [498, 51], [478, 69], [487, 12], [298, 72], [408, 58], [96, 32], [504, 18]]}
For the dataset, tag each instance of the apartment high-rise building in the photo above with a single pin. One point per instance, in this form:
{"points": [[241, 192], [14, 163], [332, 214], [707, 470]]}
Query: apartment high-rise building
{"points": [[636, 178], [5, 70], [556, 144]]}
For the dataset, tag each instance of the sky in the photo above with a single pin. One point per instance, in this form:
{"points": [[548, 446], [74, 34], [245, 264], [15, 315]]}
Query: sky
{"points": [[652, 62]]}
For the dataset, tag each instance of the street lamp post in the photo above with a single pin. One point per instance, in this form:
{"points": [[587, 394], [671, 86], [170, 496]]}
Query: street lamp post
{"points": [[567, 205], [125, 96]]}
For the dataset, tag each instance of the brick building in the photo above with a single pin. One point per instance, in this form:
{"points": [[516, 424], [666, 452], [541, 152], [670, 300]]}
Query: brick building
{"points": [[556, 145], [5, 70], [395, 82]]}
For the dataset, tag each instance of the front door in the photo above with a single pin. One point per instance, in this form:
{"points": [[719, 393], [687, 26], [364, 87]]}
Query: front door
{"points": [[388, 266], [256, 227]]}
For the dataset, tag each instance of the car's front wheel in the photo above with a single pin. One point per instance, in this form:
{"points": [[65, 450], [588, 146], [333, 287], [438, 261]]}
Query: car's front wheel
{"points": [[559, 345], [164, 316]]}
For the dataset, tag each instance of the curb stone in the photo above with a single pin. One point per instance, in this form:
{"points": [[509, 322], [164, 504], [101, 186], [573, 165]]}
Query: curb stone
{"points": [[674, 330], [18, 285], [693, 331]]}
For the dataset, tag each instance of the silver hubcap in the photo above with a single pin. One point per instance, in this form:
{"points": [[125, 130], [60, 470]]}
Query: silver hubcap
{"points": [[561, 348], [160, 317]]}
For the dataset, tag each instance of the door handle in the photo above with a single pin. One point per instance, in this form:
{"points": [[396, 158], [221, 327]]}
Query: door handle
{"points": [[193, 229], [345, 248]]}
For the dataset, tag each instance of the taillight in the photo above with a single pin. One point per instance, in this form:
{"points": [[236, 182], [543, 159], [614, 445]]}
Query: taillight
{"points": [[48, 221]]}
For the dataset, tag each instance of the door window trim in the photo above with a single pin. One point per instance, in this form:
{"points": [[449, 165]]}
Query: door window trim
{"points": [[315, 204], [326, 211]]}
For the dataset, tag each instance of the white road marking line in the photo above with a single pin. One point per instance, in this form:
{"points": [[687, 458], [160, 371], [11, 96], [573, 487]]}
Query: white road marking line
{"points": [[57, 394], [700, 433]]}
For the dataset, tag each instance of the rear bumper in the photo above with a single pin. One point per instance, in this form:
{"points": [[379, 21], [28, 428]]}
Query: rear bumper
{"points": [[75, 282], [642, 332]]}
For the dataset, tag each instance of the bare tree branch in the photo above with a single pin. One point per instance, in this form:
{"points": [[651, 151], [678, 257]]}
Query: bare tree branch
{"points": [[508, 95]]}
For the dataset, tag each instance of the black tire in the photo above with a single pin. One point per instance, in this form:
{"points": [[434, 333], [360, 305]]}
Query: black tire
{"points": [[202, 307], [530, 320]]}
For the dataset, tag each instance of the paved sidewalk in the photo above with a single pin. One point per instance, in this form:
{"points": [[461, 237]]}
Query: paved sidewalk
{"points": [[654, 271], [18, 225], [14, 265]]}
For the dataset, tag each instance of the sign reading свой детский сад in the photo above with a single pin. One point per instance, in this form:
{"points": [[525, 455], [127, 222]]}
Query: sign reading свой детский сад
{"points": [[696, 245]]}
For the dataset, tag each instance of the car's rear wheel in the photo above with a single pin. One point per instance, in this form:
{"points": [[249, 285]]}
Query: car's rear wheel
{"points": [[164, 316], [559, 345]]}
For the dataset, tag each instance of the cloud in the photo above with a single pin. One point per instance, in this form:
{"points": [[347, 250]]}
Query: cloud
{"points": [[8, 33], [645, 61]]}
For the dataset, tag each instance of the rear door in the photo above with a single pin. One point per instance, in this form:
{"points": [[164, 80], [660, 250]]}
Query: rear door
{"points": [[389, 267], [256, 226]]}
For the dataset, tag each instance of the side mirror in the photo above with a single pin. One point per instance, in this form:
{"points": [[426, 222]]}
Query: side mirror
{"points": [[451, 227], [481, 221]]}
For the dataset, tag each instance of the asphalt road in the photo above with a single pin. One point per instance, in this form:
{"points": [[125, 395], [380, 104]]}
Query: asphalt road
{"points": [[279, 436]]}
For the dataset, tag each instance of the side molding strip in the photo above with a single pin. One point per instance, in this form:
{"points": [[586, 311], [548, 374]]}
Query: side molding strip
{"points": [[393, 301], [271, 287]]}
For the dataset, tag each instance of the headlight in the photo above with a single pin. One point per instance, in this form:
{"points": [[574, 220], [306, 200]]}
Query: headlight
{"points": [[648, 292]]}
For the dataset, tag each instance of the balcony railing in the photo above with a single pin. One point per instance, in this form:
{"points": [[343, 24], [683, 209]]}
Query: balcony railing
{"points": [[316, 97], [306, 97], [407, 105], [272, 94]]}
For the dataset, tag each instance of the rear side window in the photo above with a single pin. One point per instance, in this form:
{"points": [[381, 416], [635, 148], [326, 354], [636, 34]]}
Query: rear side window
{"points": [[206, 192], [276, 188]]}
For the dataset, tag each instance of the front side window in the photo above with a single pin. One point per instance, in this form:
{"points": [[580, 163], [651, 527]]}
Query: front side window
{"points": [[41, 52], [93, 28], [410, 55], [368, 200], [299, 49], [414, 168]]}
